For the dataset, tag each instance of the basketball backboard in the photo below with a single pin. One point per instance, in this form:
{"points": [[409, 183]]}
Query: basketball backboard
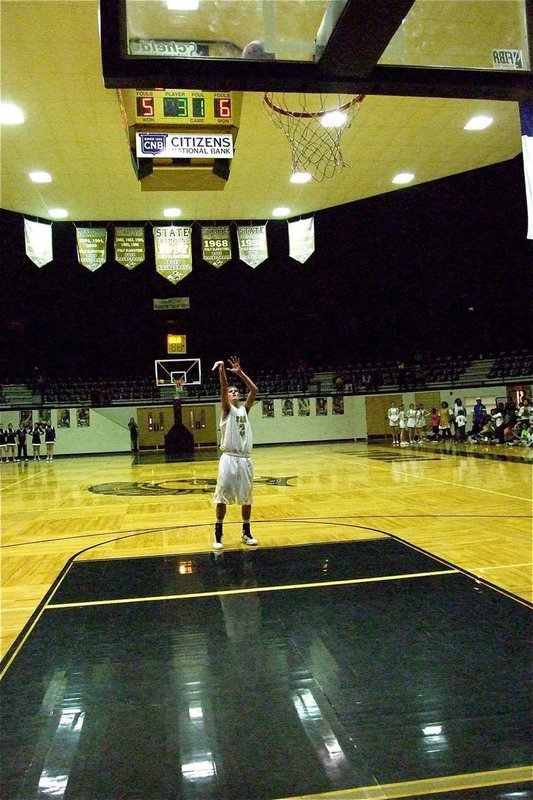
{"points": [[451, 49], [169, 370]]}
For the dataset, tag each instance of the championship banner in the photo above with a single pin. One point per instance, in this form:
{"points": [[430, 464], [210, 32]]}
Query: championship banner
{"points": [[166, 303], [216, 245], [38, 238], [92, 245], [252, 240], [173, 252], [129, 246], [526, 124], [302, 239]]}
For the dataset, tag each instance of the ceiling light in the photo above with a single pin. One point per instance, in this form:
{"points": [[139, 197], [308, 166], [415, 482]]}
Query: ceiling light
{"points": [[10, 114], [183, 5], [403, 177], [172, 212], [478, 123], [58, 213], [301, 177], [40, 177], [333, 119], [282, 211]]}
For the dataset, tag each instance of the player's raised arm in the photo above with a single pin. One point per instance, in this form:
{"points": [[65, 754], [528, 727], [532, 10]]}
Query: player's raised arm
{"points": [[223, 378], [235, 367]]}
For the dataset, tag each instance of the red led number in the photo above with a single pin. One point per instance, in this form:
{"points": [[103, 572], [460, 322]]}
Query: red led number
{"points": [[145, 106], [222, 107]]}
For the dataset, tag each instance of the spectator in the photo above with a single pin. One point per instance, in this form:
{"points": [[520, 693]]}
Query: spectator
{"points": [[22, 447], [49, 440], [393, 415], [460, 425], [411, 423], [478, 414], [420, 428], [498, 421], [434, 418], [444, 421], [10, 442]]}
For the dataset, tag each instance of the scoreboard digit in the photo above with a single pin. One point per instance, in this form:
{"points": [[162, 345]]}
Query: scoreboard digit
{"points": [[145, 107], [198, 107], [222, 107]]}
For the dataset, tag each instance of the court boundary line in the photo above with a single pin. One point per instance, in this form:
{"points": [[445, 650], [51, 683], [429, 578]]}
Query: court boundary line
{"points": [[134, 531], [428, 786], [248, 590]]}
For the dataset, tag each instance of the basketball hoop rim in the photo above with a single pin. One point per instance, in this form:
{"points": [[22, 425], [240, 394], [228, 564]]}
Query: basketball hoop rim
{"points": [[311, 114]]}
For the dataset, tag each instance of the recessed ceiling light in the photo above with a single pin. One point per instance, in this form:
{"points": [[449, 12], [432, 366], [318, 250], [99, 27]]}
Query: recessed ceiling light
{"points": [[478, 123], [172, 212], [183, 5], [10, 114], [333, 119], [301, 177], [58, 213], [282, 211], [40, 177], [403, 177]]}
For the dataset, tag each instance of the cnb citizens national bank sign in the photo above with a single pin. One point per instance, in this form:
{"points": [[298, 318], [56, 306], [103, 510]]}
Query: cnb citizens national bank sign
{"points": [[184, 145]]}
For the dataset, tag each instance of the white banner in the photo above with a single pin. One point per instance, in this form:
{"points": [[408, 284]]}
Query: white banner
{"points": [[184, 145], [38, 238], [129, 246], [173, 251], [252, 240], [92, 247], [302, 239], [526, 120], [216, 245]]}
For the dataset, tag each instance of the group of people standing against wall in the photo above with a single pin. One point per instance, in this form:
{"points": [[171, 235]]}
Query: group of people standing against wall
{"points": [[408, 426], [14, 442], [505, 424]]}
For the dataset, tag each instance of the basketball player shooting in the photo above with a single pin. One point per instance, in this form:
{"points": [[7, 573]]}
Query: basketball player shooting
{"points": [[235, 469]]}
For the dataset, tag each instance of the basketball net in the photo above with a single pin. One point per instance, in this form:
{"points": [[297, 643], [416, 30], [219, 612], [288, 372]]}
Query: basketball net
{"points": [[307, 122]]}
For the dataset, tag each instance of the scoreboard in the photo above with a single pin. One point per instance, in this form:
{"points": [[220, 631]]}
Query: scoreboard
{"points": [[183, 107]]}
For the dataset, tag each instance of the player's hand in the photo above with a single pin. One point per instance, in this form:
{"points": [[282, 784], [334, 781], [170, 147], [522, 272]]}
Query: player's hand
{"points": [[234, 364], [217, 365]]}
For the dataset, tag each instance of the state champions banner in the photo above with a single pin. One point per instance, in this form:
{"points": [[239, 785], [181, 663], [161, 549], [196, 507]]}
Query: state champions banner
{"points": [[92, 247], [302, 239], [129, 247], [173, 251], [216, 245], [252, 241], [38, 240]]}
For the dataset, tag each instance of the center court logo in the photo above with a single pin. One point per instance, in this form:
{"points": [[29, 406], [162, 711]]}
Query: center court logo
{"points": [[176, 486]]}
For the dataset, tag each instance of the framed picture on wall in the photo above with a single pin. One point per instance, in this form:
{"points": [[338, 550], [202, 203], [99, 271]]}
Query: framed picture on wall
{"points": [[45, 416], [63, 418], [304, 408], [287, 408], [26, 418], [83, 417], [268, 407], [337, 406], [321, 406]]}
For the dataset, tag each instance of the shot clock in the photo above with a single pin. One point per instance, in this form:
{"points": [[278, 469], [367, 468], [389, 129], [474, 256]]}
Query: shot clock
{"points": [[183, 107]]}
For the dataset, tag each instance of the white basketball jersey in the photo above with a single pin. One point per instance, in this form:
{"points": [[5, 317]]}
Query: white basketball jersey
{"points": [[236, 432]]}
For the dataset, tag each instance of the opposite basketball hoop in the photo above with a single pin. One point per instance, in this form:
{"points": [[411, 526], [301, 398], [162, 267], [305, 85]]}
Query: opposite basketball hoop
{"points": [[314, 125]]}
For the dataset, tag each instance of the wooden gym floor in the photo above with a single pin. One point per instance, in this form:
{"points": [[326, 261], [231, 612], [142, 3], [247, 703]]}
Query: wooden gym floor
{"points": [[374, 645]]}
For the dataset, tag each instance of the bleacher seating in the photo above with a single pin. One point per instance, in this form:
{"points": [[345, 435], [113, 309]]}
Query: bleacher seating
{"points": [[357, 378]]}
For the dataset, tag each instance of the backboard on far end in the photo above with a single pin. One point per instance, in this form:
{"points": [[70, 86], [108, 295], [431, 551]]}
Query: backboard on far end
{"points": [[168, 370]]}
